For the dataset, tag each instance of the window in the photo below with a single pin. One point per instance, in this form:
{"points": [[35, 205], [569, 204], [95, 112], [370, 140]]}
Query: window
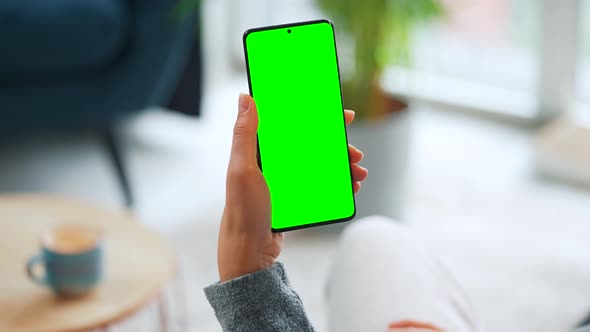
{"points": [[510, 57], [482, 56], [583, 77]]}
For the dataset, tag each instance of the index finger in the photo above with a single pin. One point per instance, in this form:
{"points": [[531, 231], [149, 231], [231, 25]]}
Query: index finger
{"points": [[348, 116]]}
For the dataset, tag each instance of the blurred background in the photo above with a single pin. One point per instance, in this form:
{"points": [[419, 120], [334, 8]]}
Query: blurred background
{"points": [[474, 120]]}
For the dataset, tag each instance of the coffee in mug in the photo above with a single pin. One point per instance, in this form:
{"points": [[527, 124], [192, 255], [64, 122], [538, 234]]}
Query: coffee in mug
{"points": [[71, 256]]}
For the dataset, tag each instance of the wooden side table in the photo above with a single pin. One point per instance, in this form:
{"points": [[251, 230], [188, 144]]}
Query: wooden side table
{"points": [[138, 264]]}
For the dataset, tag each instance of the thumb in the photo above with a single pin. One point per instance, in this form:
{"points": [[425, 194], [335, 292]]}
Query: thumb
{"points": [[243, 151]]}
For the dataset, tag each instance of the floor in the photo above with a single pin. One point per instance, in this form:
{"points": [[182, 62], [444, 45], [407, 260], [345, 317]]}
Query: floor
{"points": [[519, 244]]}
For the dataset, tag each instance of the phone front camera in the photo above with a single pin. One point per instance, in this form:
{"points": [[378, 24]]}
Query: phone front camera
{"points": [[289, 31]]}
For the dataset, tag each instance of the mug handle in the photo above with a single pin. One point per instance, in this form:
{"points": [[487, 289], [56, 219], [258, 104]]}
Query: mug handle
{"points": [[31, 263]]}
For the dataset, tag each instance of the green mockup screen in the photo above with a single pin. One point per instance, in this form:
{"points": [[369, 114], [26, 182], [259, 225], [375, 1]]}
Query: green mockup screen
{"points": [[294, 79]]}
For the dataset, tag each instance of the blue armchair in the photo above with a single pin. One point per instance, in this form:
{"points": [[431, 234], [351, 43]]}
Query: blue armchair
{"points": [[68, 64]]}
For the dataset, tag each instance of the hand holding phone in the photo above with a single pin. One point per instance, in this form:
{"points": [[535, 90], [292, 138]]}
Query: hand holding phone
{"points": [[246, 243]]}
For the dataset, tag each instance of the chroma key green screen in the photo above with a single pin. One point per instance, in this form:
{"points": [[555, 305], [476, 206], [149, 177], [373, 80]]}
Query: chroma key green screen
{"points": [[294, 79]]}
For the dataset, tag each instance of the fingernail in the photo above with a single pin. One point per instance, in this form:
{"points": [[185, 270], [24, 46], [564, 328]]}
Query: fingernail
{"points": [[244, 102]]}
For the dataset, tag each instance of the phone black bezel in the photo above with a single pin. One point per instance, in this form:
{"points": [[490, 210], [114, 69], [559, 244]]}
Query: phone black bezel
{"points": [[292, 25]]}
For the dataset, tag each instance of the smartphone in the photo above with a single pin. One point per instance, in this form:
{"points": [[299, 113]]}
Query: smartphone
{"points": [[302, 144]]}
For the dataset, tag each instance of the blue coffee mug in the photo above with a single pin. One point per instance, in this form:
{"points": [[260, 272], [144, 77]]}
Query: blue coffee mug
{"points": [[71, 257]]}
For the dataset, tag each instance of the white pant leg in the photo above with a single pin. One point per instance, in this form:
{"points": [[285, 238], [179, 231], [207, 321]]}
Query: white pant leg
{"points": [[383, 273]]}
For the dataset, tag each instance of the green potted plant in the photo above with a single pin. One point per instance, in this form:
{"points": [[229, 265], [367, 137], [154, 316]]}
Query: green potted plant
{"points": [[381, 31], [381, 34]]}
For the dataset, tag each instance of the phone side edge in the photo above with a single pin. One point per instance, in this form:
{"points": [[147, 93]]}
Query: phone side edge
{"points": [[245, 47], [354, 209]]}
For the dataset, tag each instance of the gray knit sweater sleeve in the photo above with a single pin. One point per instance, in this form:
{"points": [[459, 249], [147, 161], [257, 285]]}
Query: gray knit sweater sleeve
{"points": [[260, 301]]}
